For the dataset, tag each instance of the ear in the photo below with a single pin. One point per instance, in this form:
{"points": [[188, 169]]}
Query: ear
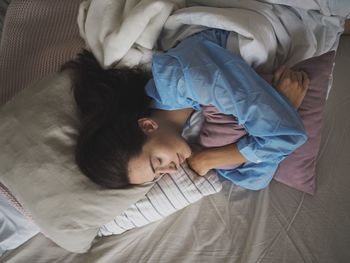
{"points": [[148, 125]]}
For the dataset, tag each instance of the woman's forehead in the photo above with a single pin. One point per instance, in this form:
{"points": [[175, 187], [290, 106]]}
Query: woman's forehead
{"points": [[141, 161], [139, 169]]}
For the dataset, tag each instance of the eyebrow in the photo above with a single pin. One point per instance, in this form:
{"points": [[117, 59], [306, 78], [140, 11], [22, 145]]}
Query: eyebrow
{"points": [[155, 176]]}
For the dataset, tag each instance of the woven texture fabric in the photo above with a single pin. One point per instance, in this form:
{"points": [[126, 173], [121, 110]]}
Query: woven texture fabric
{"points": [[4, 191], [32, 45]]}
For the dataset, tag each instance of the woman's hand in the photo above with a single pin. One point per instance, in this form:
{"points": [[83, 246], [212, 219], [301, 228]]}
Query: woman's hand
{"points": [[198, 161], [292, 84]]}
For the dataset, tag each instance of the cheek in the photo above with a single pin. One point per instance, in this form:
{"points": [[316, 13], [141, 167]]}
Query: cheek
{"points": [[170, 144], [167, 147], [139, 171], [179, 145], [176, 142]]}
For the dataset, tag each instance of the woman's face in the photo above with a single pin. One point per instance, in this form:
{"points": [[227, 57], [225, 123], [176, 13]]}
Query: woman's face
{"points": [[163, 152]]}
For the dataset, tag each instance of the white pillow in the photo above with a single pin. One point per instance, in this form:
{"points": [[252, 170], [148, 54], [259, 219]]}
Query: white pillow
{"points": [[38, 132], [169, 194]]}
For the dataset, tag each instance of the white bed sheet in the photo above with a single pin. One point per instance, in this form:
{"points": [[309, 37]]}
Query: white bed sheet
{"points": [[277, 224]]}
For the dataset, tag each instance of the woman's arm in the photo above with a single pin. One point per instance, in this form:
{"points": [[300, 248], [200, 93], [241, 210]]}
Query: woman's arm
{"points": [[292, 84], [205, 159]]}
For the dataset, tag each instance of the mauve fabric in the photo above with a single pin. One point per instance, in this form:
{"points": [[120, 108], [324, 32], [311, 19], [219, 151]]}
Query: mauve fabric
{"points": [[219, 129], [298, 169]]}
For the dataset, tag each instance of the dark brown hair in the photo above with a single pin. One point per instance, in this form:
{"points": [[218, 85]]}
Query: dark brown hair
{"points": [[109, 103]]}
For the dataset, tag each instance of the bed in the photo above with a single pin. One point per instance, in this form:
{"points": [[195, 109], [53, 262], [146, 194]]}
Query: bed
{"points": [[277, 224]]}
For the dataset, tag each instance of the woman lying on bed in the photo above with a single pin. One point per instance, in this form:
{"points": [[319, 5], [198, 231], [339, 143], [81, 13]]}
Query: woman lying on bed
{"points": [[132, 123]]}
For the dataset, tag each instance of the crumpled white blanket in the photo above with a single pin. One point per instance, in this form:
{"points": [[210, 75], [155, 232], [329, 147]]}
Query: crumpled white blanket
{"points": [[265, 33]]}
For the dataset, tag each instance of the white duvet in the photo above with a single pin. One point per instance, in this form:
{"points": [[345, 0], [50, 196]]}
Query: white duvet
{"points": [[267, 35]]}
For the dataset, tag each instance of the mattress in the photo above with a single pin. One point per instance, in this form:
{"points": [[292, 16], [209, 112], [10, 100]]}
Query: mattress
{"points": [[277, 224]]}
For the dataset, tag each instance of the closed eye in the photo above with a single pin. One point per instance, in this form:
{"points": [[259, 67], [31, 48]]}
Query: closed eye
{"points": [[152, 167], [156, 163]]}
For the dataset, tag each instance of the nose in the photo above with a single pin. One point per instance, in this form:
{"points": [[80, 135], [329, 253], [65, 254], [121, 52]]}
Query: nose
{"points": [[170, 168]]}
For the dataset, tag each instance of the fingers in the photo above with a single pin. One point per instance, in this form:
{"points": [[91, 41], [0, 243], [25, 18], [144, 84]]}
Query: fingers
{"points": [[306, 81], [195, 168], [277, 75], [294, 77], [300, 77], [286, 74]]}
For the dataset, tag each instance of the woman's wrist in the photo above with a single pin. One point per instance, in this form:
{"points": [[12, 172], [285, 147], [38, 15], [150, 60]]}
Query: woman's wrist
{"points": [[204, 159], [223, 156]]}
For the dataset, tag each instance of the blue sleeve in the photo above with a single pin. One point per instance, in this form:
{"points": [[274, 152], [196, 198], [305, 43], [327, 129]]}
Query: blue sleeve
{"points": [[200, 71]]}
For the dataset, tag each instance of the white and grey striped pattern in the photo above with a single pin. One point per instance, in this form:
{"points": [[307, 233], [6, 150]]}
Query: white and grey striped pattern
{"points": [[171, 193]]}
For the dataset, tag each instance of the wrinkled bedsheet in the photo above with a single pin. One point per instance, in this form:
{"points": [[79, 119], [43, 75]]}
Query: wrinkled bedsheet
{"points": [[277, 224]]}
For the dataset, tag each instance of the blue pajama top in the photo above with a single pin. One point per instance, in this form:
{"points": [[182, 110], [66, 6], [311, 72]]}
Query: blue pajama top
{"points": [[201, 71]]}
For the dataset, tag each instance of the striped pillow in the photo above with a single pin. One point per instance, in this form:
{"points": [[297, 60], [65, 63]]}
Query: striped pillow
{"points": [[169, 194]]}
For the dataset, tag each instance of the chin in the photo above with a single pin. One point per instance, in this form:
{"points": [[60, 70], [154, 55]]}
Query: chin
{"points": [[188, 152], [184, 149]]}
